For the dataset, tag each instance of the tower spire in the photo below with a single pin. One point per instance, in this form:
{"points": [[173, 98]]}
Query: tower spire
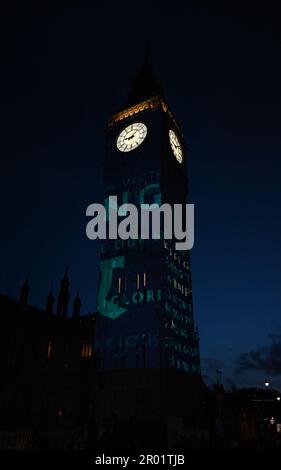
{"points": [[76, 305], [145, 84], [24, 292], [50, 302]]}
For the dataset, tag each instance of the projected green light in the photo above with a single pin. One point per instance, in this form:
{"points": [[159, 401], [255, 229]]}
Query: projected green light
{"points": [[109, 308]]}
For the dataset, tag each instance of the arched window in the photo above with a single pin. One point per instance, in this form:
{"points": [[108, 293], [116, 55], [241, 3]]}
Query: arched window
{"points": [[86, 350], [50, 349]]}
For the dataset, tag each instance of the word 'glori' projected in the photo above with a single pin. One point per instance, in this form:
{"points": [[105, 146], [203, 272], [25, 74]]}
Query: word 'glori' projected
{"points": [[130, 222]]}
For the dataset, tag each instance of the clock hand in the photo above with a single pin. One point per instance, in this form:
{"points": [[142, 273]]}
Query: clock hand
{"points": [[131, 136]]}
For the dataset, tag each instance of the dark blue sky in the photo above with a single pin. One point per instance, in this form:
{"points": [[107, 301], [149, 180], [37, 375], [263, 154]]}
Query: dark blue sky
{"points": [[63, 72]]}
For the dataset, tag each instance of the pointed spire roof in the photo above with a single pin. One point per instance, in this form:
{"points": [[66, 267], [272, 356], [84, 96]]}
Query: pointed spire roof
{"points": [[50, 295], [145, 84], [50, 302], [24, 292], [65, 280], [26, 282], [77, 298], [76, 305]]}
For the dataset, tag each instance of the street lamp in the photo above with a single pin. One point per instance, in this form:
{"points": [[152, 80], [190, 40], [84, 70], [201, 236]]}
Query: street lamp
{"points": [[266, 383]]}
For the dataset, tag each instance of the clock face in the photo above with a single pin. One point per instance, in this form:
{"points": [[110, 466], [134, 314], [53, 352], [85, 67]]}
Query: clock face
{"points": [[131, 137], [176, 146]]}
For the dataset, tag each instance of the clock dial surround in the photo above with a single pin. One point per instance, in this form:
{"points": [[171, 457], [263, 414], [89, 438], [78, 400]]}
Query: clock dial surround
{"points": [[131, 137], [176, 146]]}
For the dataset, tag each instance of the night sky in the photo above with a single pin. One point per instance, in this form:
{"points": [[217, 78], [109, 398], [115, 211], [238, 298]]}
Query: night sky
{"points": [[64, 71]]}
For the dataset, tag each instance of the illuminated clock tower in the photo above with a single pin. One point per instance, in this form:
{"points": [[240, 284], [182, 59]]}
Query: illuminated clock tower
{"points": [[145, 311]]}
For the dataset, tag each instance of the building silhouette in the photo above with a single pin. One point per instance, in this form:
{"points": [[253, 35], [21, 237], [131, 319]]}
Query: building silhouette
{"points": [[48, 372]]}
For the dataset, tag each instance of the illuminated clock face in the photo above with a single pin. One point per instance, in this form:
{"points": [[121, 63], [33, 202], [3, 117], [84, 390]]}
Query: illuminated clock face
{"points": [[176, 146], [131, 137]]}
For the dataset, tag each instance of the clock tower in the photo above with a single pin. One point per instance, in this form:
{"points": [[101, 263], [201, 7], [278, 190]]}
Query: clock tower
{"points": [[145, 311]]}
